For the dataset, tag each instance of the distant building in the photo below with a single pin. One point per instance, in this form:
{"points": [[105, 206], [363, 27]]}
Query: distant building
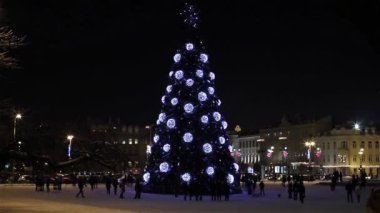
{"points": [[341, 150], [284, 146]]}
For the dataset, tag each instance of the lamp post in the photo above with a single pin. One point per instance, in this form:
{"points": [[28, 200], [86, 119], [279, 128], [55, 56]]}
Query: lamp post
{"points": [[309, 144], [361, 152], [70, 138], [18, 116]]}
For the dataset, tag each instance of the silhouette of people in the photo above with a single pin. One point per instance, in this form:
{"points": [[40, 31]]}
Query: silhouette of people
{"points": [[262, 191], [138, 189], [47, 181], [290, 190], [295, 190], [115, 184], [186, 190], [108, 184], [302, 192], [81, 184], [122, 184], [349, 192]]}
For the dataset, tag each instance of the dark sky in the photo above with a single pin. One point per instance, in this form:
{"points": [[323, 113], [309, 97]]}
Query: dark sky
{"points": [[112, 58]]}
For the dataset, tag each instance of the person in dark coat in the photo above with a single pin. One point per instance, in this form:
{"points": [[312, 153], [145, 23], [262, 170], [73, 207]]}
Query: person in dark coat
{"points": [[114, 185], [81, 185], [138, 189], [213, 189], [262, 191], [302, 192], [122, 184], [349, 190], [290, 190], [108, 184], [47, 183]]}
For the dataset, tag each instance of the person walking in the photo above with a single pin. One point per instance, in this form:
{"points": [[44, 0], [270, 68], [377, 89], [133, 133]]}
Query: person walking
{"points": [[357, 190], [114, 185], [302, 192], [122, 184], [47, 181], [262, 191], [108, 185], [295, 190], [81, 184], [138, 188], [349, 192], [290, 189]]}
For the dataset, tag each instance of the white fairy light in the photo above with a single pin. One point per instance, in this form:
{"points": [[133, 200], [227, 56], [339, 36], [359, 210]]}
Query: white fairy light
{"points": [[212, 76], [204, 119], [188, 137], [217, 116], [200, 73], [146, 177], [211, 90], [230, 179], [179, 74], [171, 123], [169, 88], [174, 101], [189, 82], [222, 140], [166, 147], [177, 57], [186, 177], [156, 138], [189, 46], [162, 117], [189, 108], [236, 166], [210, 171], [202, 96], [207, 148], [164, 167], [203, 57]]}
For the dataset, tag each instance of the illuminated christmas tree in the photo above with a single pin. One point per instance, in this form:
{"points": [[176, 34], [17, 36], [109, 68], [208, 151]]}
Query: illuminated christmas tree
{"points": [[190, 143]]}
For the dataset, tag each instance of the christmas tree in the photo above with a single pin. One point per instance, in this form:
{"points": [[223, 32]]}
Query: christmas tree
{"points": [[190, 144]]}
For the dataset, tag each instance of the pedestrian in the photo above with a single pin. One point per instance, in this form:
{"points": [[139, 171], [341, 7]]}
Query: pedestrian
{"points": [[302, 192], [108, 184], [254, 185], [138, 188], [81, 185], [226, 191], [283, 181], [295, 190], [357, 190], [115, 184], [186, 190], [261, 185], [290, 189], [349, 192], [47, 181], [122, 184]]}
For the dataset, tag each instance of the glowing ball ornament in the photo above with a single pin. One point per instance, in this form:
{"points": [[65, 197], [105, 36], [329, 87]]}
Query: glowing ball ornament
{"points": [[236, 166], [250, 170], [169, 88], [217, 116], [230, 148], [211, 90], [162, 117], [166, 147], [202, 96], [171, 123], [189, 82], [146, 177], [177, 57], [171, 73], [219, 102], [204, 119], [210, 171], [174, 101], [164, 167], [156, 138], [186, 177], [212, 76], [179, 74], [189, 108], [225, 124], [230, 179], [200, 73], [163, 99], [188, 137], [207, 148], [203, 57], [189, 46], [222, 140]]}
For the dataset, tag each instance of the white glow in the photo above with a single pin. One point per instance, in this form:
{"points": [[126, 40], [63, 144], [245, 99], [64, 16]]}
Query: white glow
{"points": [[200, 73], [146, 177], [202, 96], [166, 147], [171, 123], [250, 170], [236, 166], [230, 148], [222, 140], [212, 76], [204, 119], [177, 57], [174, 101], [148, 149], [225, 124], [189, 82], [158, 122], [163, 99], [203, 57], [156, 138], [171, 73], [207, 148], [188, 137], [217, 116], [164, 167], [210, 171], [169, 88], [230, 179], [179, 74], [211, 90], [189, 46], [162, 117], [357, 126], [186, 177], [219, 102], [189, 108]]}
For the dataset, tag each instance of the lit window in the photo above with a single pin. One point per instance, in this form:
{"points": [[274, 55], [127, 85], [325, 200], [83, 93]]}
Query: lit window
{"points": [[354, 144], [377, 144], [136, 141], [124, 142], [130, 141], [354, 158]]}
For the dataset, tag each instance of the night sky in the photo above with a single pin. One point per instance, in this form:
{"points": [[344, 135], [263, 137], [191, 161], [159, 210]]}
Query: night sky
{"points": [[112, 58]]}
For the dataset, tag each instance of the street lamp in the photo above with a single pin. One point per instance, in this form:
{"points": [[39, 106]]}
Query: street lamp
{"points": [[361, 152], [309, 144], [70, 138], [18, 116]]}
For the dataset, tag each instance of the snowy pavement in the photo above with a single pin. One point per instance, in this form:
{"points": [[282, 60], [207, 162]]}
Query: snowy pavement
{"points": [[23, 199]]}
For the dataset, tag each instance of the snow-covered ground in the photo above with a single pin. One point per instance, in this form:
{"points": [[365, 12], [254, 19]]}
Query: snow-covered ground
{"points": [[23, 199]]}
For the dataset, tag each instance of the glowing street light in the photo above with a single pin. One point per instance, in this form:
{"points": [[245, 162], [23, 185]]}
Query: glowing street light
{"points": [[356, 126], [309, 144], [18, 116], [70, 138], [361, 152]]}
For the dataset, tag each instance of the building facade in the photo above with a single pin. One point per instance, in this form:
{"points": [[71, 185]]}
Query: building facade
{"points": [[350, 150]]}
